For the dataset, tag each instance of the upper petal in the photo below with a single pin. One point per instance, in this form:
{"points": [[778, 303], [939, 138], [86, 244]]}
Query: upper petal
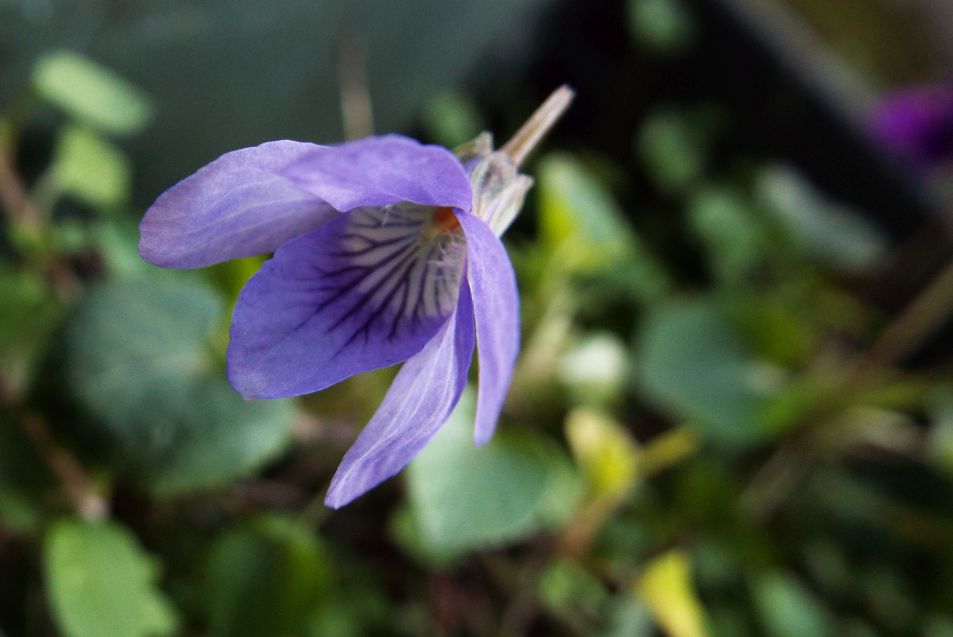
{"points": [[380, 170], [241, 204], [421, 399], [365, 291], [496, 310]]}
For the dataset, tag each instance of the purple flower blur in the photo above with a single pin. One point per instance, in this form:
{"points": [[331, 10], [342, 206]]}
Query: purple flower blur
{"points": [[917, 124], [385, 251]]}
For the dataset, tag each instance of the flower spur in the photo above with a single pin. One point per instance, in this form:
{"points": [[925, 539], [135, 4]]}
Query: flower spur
{"points": [[385, 251]]}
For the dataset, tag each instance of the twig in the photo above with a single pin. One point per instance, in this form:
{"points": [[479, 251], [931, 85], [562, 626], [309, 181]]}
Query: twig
{"points": [[87, 502], [13, 192], [356, 113], [921, 318]]}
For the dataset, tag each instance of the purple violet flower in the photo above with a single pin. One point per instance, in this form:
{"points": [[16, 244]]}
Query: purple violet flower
{"points": [[917, 124], [385, 251]]}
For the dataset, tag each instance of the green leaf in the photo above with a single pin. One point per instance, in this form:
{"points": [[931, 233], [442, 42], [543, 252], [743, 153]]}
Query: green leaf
{"points": [[730, 231], [101, 584], [825, 230], [28, 313], [90, 93], [691, 362], [628, 617], [672, 151], [584, 230], [90, 168], [788, 609], [664, 26], [136, 366], [265, 579], [466, 498], [452, 119], [565, 587]]}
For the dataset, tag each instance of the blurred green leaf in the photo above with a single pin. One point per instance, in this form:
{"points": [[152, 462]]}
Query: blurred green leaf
{"points": [[691, 362], [729, 229], [606, 453], [628, 617], [101, 583], [355, 603], [584, 230], [24, 478], [940, 440], [91, 93], [778, 332], [664, 26], [452, 118], [576, 208], [938, 626], [672, 151], [787, 609], [666, 588], [134, 364], [90, 168], [466, 497], [405, 530], [265, 579], [565, 587], [116, 243], [28, 313], [826, 231]]}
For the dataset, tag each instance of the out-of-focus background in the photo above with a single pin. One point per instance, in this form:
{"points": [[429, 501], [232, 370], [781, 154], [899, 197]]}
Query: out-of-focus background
{"points": [[733, 411]]}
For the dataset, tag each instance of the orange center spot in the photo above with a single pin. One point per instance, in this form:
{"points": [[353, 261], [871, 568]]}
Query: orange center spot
{"points": [[445, 220]]}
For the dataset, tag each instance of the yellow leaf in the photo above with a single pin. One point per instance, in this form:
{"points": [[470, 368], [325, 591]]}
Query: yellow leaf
{"points": [[666, 589], [605, 451]]}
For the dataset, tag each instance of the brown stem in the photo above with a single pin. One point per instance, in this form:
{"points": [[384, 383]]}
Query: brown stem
{"points": [[87, 502], [13, 193], [921, 318]]}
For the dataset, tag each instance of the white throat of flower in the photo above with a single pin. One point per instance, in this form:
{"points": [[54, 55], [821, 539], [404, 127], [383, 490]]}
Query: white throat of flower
{"points": [[498, 187]]}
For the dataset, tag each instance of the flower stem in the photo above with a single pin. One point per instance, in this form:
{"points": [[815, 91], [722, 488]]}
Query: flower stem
{"points": [[522, 143]]}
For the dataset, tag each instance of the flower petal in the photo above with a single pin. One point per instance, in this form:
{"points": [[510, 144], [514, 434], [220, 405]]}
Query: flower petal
{"points": [[365, 291], [380, 170], [496, 309], [241, 204], [424, 393]]}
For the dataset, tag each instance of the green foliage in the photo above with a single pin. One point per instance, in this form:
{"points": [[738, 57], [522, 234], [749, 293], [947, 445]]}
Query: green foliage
{"points": [[102, 584], [264, 579], [134, 362], [452, 119], [90, 168], [663, 26], [28, 313], [90, 93], [826, 231], [465, 498], [787, 609], [672, 151], [583, 230], [692, 362], [734, 241]]}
